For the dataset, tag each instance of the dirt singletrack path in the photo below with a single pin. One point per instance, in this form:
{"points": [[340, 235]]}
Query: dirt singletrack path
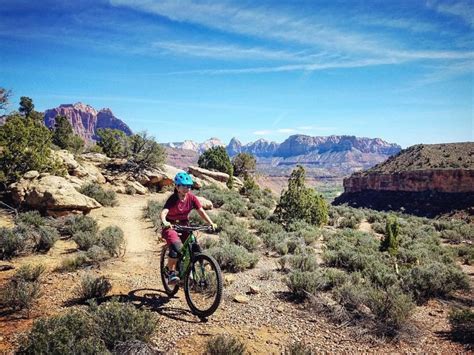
{"points": [[137, 268]]}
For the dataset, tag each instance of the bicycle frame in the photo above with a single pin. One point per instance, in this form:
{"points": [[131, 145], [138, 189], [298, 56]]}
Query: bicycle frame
{"points": [[186, 255]]}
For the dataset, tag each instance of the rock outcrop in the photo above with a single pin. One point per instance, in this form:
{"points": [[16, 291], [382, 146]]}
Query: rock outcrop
{"points": [[426, 180], [85, 120], [52, 195], [209, 177]]}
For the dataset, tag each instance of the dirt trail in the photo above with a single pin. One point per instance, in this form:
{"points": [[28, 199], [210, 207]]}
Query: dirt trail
{"points": [[141, 238]]}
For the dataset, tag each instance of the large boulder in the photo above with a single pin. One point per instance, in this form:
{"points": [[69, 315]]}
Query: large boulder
{"points": [[206, 174], [52, 195], [86, 171], [209, 177], [95, 158]]}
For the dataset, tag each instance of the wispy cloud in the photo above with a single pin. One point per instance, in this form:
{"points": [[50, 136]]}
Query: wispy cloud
{"points": [[461, 9], [258, 21], [328, 46], [412, 25], [228, 51]]}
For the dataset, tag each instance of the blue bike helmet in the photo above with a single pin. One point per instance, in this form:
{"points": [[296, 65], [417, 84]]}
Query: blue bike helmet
{"points": [[183, 179]]}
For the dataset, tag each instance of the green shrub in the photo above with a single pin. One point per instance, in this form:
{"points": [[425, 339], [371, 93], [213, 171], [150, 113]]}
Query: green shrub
{"points": [[260, 213], [104, 197], [434, 280], [97, 254], [267, 227], [30, 218], [218, 196], [308, 234], [195, 218], [225, 344], [391, 307], [272, 240], [29, 273], [119, 322], [134, 347], [375, 217], [11, 243], [378, 227], [71, 333], [302, 283], [19, 294], [239, 236], [130, 190], [307, 262], [299, 348], [233, 258], [352, 250], [301, 202], [466, 253], [251, 189], [93, 287], [349, 222], [85, 240], [152, 211], [112, 239], [80, 223], [462, 324], [226, 219], [352, 294], [46, 237], [236, 207], [73, 263]]}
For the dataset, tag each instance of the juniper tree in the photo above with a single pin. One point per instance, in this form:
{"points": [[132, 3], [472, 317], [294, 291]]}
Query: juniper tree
{"points": [[300, 202]]}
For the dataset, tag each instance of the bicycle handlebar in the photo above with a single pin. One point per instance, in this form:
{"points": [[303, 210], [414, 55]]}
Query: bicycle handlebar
{"points": [[180, 228]]}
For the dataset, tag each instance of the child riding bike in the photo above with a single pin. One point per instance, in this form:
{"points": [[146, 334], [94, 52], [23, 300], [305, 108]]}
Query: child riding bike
{"points": [[176, 212]]}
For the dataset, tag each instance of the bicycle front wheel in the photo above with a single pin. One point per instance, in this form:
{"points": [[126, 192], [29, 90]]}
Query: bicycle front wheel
{"points": [[203, 285], [169, 289]]}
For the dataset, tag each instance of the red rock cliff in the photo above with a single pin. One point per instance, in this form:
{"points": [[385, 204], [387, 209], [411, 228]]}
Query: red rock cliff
{"points": [[440, 180]]}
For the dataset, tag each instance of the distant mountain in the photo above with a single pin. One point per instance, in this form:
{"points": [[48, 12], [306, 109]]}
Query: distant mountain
{"points": [[296, 145], [197, 147], [302, 144], [86, 120], [332, 156]]}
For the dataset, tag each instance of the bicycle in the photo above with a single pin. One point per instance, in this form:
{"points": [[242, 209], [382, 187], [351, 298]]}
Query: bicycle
{"points": [[199, 272]]}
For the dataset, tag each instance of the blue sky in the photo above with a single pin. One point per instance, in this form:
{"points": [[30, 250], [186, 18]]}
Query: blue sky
{"points": [[399, 70]]}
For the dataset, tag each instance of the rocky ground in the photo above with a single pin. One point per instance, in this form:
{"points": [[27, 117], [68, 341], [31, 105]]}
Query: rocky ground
{"points": [[268, 320]]}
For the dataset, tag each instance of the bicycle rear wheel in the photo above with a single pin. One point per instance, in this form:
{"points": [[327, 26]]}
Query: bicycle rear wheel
{"points": [[203, 286], [169, 289]]}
